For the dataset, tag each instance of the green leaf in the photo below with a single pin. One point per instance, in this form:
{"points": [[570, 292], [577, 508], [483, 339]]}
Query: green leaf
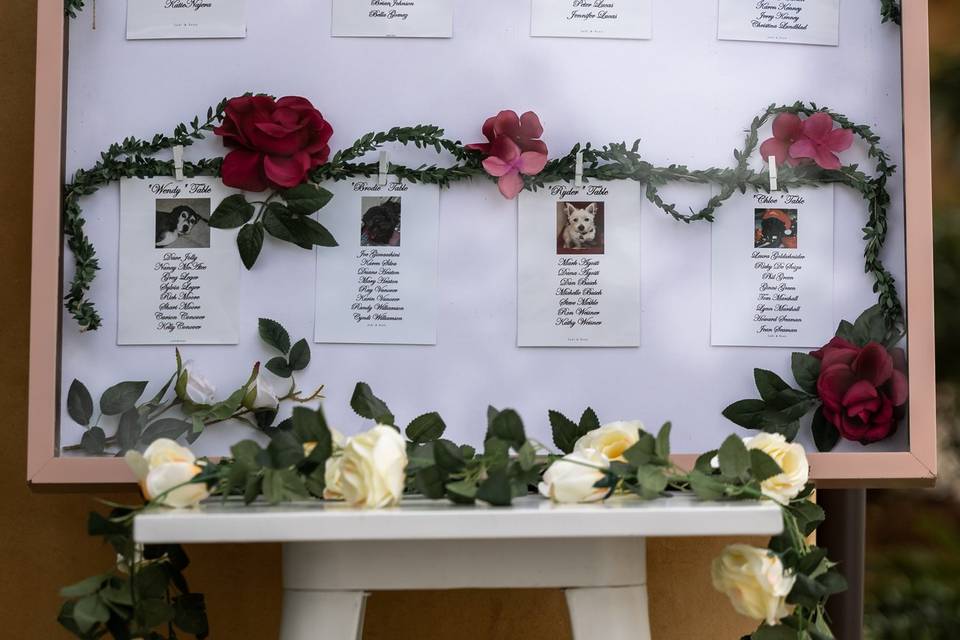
{"points": [[79, 403], [316, 233], [746, 413], [734, 458], [121, 397], [273, 333], [589, 421], [85, 587], [508, 426], [250, 243], [870, 326], [430, 482], [305, 199], [527, 456], [565, 431], [426, 428], [448, 456], [90, 611], [496, 489], [94, 441], [651, 481], [779, 632], [232, 212], [282, 225], [283, 485], [762, 466], [806, 371], [462, 492], [825, 435], [284, 450], [367, 405], [704, 462], [706, 487], [311, 426], [845, 330], [279, 367], [788, 430], [768, 384], [663, 442], [299, 355], [128, 431], [190, 614], [171, 428]]}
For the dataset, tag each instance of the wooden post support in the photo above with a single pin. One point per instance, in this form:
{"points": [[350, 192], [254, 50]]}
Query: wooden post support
{"points": [[844, 535]]}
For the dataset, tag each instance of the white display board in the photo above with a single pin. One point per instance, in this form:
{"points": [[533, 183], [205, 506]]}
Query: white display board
{"points": [[688, 95]]}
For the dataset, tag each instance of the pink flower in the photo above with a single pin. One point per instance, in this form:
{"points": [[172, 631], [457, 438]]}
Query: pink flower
{"points": [[523, 130], [507, 162], [787, 129], [821, 141]]}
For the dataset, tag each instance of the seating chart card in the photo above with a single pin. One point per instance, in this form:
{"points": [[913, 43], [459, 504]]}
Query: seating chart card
{"points": [[773, 270], [579, 266], [787, 21], [179, 278], [591, 19], [393, 18], [158, 19], [379, 286]]}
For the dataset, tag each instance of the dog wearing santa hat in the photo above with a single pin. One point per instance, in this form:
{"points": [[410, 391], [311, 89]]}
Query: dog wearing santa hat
{"points": [[777, 230]]}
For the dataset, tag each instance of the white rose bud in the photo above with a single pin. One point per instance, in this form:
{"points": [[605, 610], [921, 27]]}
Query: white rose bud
{"points": [[611, 439], [192, 387], [572, 478], [162, 468], [373, 468], [755, 581], [792, 459], [260, 395]]}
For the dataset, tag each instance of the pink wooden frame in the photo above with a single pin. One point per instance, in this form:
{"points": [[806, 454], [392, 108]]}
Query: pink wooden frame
{"points": [[45, 467]]}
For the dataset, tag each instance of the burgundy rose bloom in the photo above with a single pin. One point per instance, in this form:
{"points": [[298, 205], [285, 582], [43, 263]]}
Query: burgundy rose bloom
{"points": [[863, 389], [275, 142]]}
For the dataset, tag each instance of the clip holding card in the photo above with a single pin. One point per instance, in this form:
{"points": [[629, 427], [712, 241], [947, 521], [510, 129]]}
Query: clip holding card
{"points": [[384, 168], [578, 175], [772, 167], [178, 162]]}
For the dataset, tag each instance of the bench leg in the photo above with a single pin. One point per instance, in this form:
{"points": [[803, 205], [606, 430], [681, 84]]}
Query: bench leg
{"points": [[614, 613], [322, 615]]}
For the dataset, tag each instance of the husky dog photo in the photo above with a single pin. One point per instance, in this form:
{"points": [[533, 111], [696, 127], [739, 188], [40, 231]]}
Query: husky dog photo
{"points": [[580, 228], [182, 223]]}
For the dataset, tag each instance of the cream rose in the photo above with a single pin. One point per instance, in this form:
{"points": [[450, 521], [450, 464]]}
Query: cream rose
{"points": [[260, 395], [372, 468], [162, 468], [611, 439], [332, 476], [792, 459], [193, 387], [572, 478], [755, 582]]}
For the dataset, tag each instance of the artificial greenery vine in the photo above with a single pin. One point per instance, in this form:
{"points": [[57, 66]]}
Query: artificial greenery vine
{"points": [[146, 591], [287, 217]]}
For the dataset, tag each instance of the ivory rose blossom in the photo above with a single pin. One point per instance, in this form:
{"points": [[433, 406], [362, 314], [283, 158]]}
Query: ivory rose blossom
{"points": [[332, 475], [260, 394], [611, 439], [373, 468], [792, 459], [194, 388], [573, 478], [162, 468], [275, 142], [755, 581], [863, 389]]}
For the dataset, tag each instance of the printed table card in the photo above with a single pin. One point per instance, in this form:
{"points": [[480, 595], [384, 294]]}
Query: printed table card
{"points": [[773, 270], [179, 278], [787, 21], [157, 19], [393, 18], [379, 286], [579, 266], [591, 19]]}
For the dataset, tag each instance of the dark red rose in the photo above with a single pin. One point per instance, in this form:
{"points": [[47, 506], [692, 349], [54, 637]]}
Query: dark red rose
{"points": [[863, 389], [275, 142]]}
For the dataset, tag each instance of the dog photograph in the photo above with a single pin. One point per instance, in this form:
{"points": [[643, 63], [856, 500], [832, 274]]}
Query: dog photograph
{"points": [[775, 229], [380, 222], [182, 223], [580, 228]]}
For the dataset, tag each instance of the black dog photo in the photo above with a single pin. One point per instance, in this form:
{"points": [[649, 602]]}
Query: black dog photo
{"points": [[775, 228], [380, 224], [182, 223]]}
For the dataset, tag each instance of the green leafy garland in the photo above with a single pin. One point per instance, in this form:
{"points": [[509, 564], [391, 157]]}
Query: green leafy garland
{"points": [[150, 592], [290, 221]]}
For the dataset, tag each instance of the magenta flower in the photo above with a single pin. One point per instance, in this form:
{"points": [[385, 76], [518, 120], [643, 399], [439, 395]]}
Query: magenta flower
{"points": [[787, 129], [523, 130], [507, 162], [821, 142]]}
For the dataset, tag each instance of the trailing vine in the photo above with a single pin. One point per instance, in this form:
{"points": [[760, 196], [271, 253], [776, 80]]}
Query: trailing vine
{"points": [[616, 161]]}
